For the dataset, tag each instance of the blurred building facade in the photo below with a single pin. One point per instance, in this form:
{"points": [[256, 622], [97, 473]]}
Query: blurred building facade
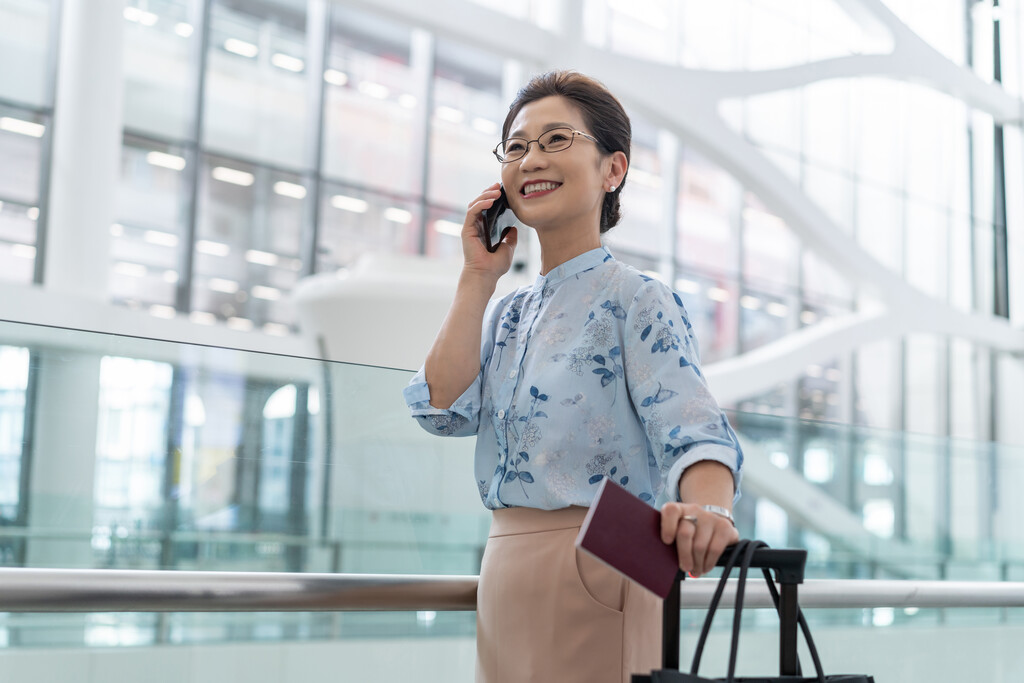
{"points": [[187, 162]]}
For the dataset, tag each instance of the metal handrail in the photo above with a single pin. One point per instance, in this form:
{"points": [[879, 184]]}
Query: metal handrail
{"points": [[120, 590]]}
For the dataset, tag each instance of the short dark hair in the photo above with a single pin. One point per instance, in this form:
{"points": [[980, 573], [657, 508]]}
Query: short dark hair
{"points": [[602, 113]]}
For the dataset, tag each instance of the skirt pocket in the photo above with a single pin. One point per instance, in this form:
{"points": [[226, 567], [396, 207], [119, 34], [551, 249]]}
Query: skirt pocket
{"points": [[601, 583]]}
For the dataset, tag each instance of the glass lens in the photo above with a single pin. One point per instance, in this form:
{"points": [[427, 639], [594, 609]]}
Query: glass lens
{"points": [[556, 140], [513, 148]]}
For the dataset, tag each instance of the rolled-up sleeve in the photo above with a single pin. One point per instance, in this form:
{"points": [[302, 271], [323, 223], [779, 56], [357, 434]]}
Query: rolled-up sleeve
{"points": [[680, 416], [462, 418]]}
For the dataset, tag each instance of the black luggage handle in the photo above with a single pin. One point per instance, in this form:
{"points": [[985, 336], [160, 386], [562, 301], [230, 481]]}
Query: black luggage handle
{"points": [[789, 572]]}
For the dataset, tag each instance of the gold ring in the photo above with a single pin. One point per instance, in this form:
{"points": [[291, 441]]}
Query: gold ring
{"points": [[691, 518]]}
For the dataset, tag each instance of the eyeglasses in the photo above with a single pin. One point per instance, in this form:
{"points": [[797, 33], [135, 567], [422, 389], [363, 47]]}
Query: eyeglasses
{"points": [[554, 140]]}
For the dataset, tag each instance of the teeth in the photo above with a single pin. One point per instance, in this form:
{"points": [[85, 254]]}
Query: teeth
{"points": [[539, 187]]}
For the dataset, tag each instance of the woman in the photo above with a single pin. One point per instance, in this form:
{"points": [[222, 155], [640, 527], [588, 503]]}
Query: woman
{"points": [[590, 373]]}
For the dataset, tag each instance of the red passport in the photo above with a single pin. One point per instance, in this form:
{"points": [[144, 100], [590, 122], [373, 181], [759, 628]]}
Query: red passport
{"points": [[625, 533]]}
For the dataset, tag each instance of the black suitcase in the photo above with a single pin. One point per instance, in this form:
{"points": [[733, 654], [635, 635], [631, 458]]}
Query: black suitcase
{"points": [[789, 572]]}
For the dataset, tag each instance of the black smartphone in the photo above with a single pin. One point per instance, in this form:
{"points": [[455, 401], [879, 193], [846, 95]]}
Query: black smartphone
{"points": [[497, 221]]}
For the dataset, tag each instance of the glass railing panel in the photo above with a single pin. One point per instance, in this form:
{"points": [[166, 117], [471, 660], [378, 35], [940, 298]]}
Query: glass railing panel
{"points": [[927, 507], [922, 646], [144, 454]]}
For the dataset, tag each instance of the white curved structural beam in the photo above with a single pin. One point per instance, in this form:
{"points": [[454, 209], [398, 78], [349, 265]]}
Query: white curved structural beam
{"points": [[687, 101], [762, 369]]}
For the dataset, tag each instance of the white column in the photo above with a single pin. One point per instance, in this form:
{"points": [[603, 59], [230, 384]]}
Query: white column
{"points": [[63, 459], [86, 148], [83, 186]]}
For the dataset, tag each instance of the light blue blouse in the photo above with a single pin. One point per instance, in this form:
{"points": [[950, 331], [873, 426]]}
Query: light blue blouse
{"points": [[590, 373]]}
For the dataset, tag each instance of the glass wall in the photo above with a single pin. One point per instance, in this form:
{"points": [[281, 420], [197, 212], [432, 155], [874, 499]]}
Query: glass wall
{"points": [[21, 148], [267, 141]]}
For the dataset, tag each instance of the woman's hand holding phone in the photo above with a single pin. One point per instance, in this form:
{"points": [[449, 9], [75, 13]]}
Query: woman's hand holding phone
{"points": [[477, 257]]}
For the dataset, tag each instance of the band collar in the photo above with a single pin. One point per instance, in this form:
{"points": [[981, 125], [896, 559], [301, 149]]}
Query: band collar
{"points": [[574, 266]]}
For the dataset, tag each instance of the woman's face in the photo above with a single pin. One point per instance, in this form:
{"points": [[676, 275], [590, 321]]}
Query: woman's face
{"points": [[577, 177]]}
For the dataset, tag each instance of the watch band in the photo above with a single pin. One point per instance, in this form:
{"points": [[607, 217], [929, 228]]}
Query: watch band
{"points": [[721, 511]]}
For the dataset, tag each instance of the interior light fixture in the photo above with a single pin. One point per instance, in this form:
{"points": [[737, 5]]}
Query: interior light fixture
{"points": [[32, 213], [777, 309], [449, 114], [266, 293], [293, 190], [808, 317], [182, 29], [140, 16], [718, 294], [276, 329], [130, 269], [241, 48], [335, 77], [287, 62], [751, 303], [645, 178], [160, 311], [242, 324], [644, 13], [212, 248], [164, 160], [116, 229], [26, 251], [406, 100], [170, 276], [375, 90], [448, 228], [203, 317], [346, 203], [264, 258], [233, 176], [687, 286], [485, 126], [221, 285], [163, 239], [22, 127], [397, 215]]}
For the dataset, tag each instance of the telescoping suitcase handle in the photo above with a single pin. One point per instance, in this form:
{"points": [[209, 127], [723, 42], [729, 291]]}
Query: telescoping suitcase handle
{"points": [[789, 573]]}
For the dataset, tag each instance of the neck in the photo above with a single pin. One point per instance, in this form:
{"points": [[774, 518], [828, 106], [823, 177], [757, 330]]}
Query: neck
{"points": [[557, 247]]}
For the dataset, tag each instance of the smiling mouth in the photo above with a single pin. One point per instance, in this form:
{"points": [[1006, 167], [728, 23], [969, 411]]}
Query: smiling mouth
{"points": [[537, 189]]}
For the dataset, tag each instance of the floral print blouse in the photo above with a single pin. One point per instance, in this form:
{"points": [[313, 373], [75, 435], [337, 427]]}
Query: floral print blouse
{"points": [[590, 373]]}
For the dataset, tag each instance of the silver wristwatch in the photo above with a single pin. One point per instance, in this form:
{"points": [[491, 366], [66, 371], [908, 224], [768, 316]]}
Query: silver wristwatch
{"points": [[721, 511]]}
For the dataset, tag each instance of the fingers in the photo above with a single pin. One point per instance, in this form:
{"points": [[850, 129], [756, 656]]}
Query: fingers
{"points": [[700, 536], [717, 546], [493, 192], [671, 513], [677, 527], [512, 238], [477, 207]]}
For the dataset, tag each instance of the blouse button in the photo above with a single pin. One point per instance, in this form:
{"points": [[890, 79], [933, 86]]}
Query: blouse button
{"points": [[501, 414], [512, 375]]}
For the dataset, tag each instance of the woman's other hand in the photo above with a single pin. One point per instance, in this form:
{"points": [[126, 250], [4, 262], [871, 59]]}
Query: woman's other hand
{"points": [[477, 258], [700, 536]]}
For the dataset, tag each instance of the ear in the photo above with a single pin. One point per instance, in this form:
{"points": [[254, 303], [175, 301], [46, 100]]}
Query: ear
{"points": [[616, 168]]}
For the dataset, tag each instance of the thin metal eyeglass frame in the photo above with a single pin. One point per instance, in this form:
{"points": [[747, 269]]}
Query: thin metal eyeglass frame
{"points": [[537, 140]]}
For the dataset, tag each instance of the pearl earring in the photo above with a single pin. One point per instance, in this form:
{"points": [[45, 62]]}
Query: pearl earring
{"points": [[612, 189]]}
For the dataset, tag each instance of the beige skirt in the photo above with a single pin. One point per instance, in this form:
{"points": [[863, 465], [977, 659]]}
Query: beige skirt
{"points": [[547, 612]]}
